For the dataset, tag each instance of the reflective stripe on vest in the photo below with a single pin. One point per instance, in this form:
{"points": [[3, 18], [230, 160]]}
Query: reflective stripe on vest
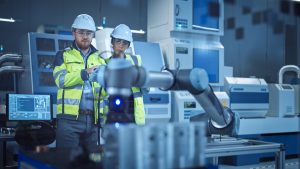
{"points": [[68, 101], [58, 72], [61, 79]]}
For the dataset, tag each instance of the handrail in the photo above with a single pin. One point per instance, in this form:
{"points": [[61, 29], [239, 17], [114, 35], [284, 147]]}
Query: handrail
{"points": [[286, 68]]}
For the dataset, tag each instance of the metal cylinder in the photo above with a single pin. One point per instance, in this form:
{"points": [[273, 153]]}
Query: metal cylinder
{"points": [[163, 80], [210, 103]]}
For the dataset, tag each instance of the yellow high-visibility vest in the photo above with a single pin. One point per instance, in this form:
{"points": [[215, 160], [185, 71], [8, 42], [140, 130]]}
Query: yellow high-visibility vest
{"points": [[67, 75]]}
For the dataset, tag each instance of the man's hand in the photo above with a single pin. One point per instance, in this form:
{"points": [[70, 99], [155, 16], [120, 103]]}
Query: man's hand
{"points": [[93, 74], [91, 69]]}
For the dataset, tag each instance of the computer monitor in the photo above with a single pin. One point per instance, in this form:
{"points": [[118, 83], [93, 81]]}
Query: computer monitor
{"points": [[29, 107], [152, 57], [207, 15]]}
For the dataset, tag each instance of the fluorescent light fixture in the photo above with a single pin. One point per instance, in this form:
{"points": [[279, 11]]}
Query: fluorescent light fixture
{"points": [[296, 0], [133, 31], [100, 27], [138, 31], [7, 20]]}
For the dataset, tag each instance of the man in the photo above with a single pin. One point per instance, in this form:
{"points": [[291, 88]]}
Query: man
{"points": [[78, 99], [121, 39]]}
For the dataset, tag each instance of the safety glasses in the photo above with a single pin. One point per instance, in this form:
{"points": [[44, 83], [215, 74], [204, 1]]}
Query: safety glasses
{"points": [[82, 33], [121, 42]]}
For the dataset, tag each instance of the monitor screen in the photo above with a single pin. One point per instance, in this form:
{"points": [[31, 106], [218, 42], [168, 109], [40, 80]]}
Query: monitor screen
{"points": [[207, 59], [28, 107], [151, 54], [206, 14]]}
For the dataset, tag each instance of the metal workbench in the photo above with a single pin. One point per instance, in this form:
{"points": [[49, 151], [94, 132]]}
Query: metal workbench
{"points": [[226, 146]]}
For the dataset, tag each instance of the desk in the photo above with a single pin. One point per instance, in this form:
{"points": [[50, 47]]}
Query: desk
{"points": [[3, 139]]}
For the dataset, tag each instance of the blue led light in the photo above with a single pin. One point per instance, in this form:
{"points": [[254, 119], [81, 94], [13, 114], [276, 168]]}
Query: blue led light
{"points": [[179, 26], [117, 125], [118, 102]]}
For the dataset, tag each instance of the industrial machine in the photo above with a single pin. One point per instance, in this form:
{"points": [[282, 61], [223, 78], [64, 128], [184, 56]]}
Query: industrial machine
{"points": [[282, 100], [249, 97], [32, 114], [189, 33], [191, 16], [157, 102], [187, 107], [196, 51], [39, 50], [28, 107], [296, 86]]}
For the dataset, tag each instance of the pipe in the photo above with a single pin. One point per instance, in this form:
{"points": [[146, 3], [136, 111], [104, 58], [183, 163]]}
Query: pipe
{"points": [[10, 58], [11, 69]]}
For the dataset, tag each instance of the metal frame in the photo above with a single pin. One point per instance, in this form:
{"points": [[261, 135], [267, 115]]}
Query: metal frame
{"points": [[231, 146]]}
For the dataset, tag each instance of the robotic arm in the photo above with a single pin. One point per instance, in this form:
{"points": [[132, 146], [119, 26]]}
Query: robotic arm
{"points": [[120, 75]]}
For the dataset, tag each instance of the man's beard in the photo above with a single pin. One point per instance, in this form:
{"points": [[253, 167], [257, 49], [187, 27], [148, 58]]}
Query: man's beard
{"points": [[84, 45]]}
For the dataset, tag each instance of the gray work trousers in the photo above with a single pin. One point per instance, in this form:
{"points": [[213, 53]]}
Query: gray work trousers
{"points": [[72, 133]]}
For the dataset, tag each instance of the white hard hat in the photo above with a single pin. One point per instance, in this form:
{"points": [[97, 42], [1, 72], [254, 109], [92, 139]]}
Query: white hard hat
{"points": [[84, 21], [122, 31]]}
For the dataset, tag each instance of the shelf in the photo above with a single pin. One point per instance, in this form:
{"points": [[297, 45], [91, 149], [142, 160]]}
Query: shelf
{"points": [[46, 53]]}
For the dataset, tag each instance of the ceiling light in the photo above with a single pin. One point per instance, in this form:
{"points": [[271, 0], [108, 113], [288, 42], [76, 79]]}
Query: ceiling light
{"points": [[138, 31], [133, 31], [7, 20]]}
